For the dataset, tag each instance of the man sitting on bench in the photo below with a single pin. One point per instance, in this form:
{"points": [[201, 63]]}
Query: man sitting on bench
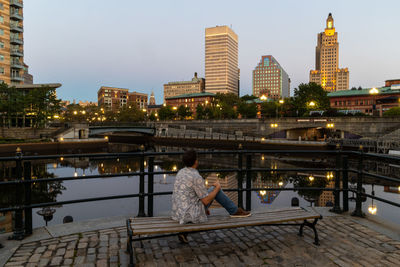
{"points": [[191, 199]]}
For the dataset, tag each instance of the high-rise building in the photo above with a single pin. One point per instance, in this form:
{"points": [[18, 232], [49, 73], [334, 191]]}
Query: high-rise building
{"points": [[196, 85], [11, 42], [326, 73], [222, 73], [270, 79]]}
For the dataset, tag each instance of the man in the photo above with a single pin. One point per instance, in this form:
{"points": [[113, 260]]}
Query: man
{"points": [[191, 198]]}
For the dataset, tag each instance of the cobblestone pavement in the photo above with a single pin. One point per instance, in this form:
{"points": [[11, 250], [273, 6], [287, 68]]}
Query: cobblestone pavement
{"points": [[343, 243]]}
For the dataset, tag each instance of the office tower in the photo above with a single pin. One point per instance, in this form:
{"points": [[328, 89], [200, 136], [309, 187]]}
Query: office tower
{"points": [[11, 42], [326, 72], [196, 85], [270, 79], [222, 73]]}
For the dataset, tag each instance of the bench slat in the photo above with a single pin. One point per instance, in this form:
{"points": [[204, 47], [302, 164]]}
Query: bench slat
{"points": [[214, 219], [158, 227], [223, 220]]}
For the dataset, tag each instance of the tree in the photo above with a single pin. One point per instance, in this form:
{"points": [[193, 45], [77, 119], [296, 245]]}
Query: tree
{"points": [[41, 104], [130, 114], [310, 93], [247, 110], [248, 97], [269, 109], [392, 112], [166, 113], [184, 112], [200, 112], [152, 116]]}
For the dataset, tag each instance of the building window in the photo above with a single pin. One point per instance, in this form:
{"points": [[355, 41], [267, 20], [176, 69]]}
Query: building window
{"points": [[1, 58], [1, 32], [1, 45], [2, 70], [1, 19]]}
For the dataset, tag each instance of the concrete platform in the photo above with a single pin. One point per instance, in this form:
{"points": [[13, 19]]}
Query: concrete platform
{"points": [[345, 241]]}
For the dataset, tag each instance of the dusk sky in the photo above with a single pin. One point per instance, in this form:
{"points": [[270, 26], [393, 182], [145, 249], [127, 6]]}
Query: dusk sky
{"points": [[141, 45]]}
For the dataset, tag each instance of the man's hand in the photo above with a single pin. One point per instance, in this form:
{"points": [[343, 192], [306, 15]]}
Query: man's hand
{"points": [[217, 185]]}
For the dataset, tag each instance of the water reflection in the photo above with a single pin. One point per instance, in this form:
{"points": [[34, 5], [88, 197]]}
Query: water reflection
{"points": [[77, 189]]}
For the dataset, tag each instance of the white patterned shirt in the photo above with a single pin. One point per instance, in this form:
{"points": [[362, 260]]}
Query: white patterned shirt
{"points": [[189, 188]]}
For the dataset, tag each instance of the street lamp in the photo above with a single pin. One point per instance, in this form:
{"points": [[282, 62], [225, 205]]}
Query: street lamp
{"points": [[281, 101], [311, 104], [263, 97], [373, 92]]}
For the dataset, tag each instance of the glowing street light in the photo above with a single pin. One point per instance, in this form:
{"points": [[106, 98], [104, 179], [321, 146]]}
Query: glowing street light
{"points": [[174, 108], [311, 104], [274, 125], [311, 178], [372, 209], [75, 112], [330, 125], [281, 101], [263, 97], [280, 183], [263, 192]]}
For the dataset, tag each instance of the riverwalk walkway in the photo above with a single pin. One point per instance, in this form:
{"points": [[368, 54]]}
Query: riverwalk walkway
{"points": [[345, 241]]}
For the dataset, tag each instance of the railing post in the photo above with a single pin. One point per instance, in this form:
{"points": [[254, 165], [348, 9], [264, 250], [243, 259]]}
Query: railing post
{"points": [[19, 227], [336, 208], [345, 181], [240, 179], [28, 198], [358, 211], [141, 187], [150, 186], [248, 182]]}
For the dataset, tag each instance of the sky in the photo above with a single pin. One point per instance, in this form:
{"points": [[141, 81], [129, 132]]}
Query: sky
{"points": [[141, 45]]}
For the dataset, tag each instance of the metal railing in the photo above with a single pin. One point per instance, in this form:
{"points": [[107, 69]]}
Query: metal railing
{"points": [[23, 180]]}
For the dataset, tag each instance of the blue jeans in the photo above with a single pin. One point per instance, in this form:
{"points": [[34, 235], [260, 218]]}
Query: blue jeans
{"points": [[224, 200]]}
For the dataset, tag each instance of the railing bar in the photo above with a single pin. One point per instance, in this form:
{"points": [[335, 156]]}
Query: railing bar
{"points": [[138, 154], [381, 177], [40, 205], [382, 200]]}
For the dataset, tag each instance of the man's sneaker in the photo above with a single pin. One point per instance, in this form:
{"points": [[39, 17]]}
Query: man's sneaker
{"points": [[241, 213]]}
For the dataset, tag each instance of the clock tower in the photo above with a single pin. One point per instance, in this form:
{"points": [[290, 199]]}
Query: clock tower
{"points": [[327, 73]]}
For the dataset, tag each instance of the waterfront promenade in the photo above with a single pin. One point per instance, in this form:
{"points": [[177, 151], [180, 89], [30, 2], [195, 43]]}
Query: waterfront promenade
{"points": [[345, 241]]}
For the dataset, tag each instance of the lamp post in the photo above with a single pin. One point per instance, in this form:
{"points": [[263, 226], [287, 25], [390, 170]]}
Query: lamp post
{"points": [[373, 92]]}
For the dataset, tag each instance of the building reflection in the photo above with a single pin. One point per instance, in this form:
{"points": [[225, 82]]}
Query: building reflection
{"points": [[226, 181], [392, 189]]}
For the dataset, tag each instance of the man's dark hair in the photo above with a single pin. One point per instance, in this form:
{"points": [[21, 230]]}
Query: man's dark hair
{"points": [[189, 158]]}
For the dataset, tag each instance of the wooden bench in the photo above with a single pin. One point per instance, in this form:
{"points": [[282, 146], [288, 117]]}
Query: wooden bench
{"points": [[158, 227]]}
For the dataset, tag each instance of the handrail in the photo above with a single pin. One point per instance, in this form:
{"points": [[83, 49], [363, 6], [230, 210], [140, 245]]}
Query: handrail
{"points": [[341, 170]]}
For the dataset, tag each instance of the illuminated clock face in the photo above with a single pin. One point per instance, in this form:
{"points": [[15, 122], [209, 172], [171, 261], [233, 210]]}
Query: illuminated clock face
{"points": [[329, 24]]}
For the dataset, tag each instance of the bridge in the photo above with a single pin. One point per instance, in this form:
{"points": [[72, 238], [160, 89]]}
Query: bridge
{"points": [[290, 128], [102, 130]]}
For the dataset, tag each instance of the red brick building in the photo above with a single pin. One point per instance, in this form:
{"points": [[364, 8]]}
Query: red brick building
{"points": [[190, 100], [389, 83], [363, 100], [115, 98]]}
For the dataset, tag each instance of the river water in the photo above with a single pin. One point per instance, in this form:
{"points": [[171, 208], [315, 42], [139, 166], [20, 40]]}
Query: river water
{"points": [[261, 200]]}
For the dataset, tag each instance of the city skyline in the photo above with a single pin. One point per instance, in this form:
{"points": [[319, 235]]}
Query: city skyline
{"points": [[149, 53]]}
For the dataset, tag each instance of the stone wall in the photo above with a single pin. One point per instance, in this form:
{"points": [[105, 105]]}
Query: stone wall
{"points": [[26, 133]]}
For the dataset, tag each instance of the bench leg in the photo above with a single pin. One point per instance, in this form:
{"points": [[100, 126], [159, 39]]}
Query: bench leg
{"points": [[312, 226], [129, 247]]}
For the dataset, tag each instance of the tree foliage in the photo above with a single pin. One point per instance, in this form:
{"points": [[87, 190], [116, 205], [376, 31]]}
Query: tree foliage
{"points": [[41, 104], [307, 93], [166, 113], [392, 112]]}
